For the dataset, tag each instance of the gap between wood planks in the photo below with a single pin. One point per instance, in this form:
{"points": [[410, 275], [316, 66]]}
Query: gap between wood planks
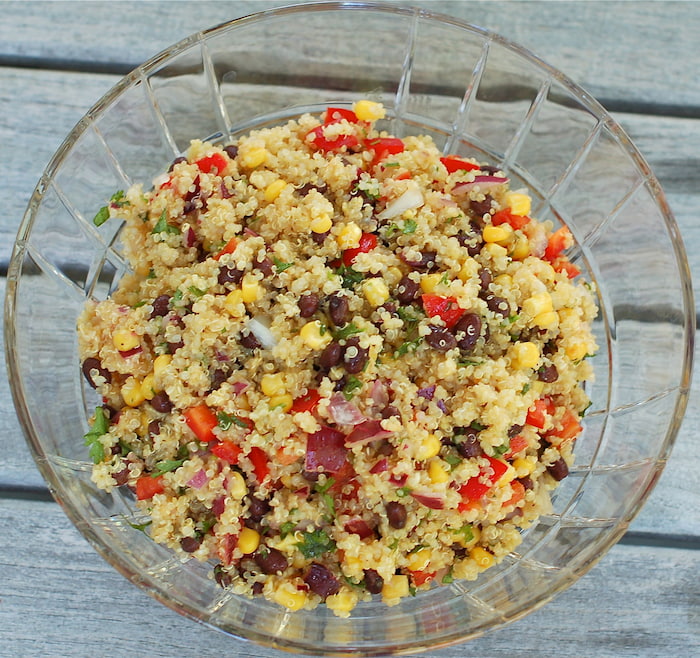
{"points": [[612, 105]]}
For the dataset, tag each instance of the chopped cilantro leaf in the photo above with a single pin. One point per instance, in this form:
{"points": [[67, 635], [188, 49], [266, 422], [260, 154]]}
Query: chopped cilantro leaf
{"points": [[409, 345], [452, 458], [347, 331], [498, 451], [118, 199], [352, 385], [525, 388], [196, 292], [151, 274], [350, 277], [101, 217], [92, 439], [322, 488], [403, 492], [329, 503], [286, 528], [140, 526], [409, 226], [466, 531], [162, 225], [224, 420], [177, 295], [167, 466], [315, 543], [476, 425], [468, 362], [281, 267]]}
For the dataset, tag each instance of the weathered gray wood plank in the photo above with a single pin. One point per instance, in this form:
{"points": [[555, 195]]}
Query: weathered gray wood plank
{"points": [[647, 603], [626, 52]]}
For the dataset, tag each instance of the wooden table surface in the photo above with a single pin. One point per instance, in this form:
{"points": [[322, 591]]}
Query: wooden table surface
{"points": [[57, 596]]}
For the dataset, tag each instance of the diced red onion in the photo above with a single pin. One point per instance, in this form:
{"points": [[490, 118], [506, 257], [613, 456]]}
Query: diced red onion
{"points": [[398, 480], [379, 394], [429, 499], [428, 392], [127, 353], [250, 232], [485, 183], [190, 238], [326, 448], [218, 506], [370, 430], [411, 198], [442, 406], [262, 332], [358, 526], [239, 387], [343, 412], [198, 480], [380, 467], [446, 202]]}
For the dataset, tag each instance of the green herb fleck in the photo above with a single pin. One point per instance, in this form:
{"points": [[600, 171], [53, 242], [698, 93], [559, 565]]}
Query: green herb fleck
{"points": [[286, 528], [322, 488], [99, 427], [468, 362], [224, 420], [403, 492], [140, 526], [390, 164], [352, 385], [177, 295], [448, 577], [119, 199], [350, 277], [167, 466], [452, 458], [445, 280], [394, 544], [412, 590], [151, 274], [409, 226], [196, 292], [501, 450], [143, 302], [525, 388], [408, 346], [347, 331], [281, 267], [329, 503], [585, 409], [477, 426], [101, 217], [162, 225], [466, 531], [315, 543]]}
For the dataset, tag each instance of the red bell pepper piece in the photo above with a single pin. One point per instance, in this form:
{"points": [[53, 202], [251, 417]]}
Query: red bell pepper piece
{"points": [[505, 216], [359, 526], [229, 248], [421, 577], [453, 163], [559, 240], [368, 241], [202, 421], [216, 161], [322, 144], [383, 146], [261, 464], [537, 413], [307, 402], [517, 444], [518, 494], [147, 487], [336, 114], [445, 308], [563, 264], [227, 451], [568, 428], [475, 488]]}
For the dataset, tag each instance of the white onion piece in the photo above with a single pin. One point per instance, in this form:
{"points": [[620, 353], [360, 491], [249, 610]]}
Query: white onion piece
{"points": [[411, 198], [262, 333], [485, 183], [538, 239], [344, 412]]}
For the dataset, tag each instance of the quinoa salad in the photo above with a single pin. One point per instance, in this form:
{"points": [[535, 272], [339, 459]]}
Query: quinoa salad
{"points": [[343, 365]]}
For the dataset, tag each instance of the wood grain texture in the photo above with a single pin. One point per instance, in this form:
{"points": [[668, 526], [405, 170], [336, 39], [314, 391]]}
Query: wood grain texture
{"points": [[627, 53], [79, 606]]}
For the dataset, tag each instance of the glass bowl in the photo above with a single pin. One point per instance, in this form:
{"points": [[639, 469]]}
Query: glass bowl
{"points": [[476, 94]]}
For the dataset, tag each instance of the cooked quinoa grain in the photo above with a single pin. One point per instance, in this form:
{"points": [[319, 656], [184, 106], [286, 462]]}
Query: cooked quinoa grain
{"points": [[343, 365]]}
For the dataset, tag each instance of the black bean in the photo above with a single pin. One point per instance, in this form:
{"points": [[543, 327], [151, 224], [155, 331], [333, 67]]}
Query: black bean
{"points": [[154, 427], [396, 514], [440, 339], [548, 374], [176, 161], [467, 331], [498, 305], [91, 364], [514, 431], [321, 581], [231, 150], [558, 470], [266, 266], [389, 307], [426, 262], [270, 560], [218, 377], [222, 578], [354, 356], [526, 482], [174, 347], [407, 290], [248, 340], [373, 581], [229, 275], [308, 305], [161, 306], [311, 476], [485, 279], [319, 238], [467, 444], [190, 544], [257, 508], [122, 477], [338, 309], [475, 248], [390, 411], [491, 170], [331, 355], [480, 208], [320, 187], [161, 402], [190, 195]]}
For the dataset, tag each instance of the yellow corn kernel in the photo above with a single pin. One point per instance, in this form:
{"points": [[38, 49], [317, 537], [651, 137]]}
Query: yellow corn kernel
{"points": [[524, 355], [576, 351], [376, 291], [252, 158], [521, 248], [437, 472], [237, 487], [497, 234], [429, 282], [537, 387], [428, 448], [546, 320], [321, 224], [482, 557], [288, 544], [148, 386], [540, 302], [284, 402], [251, 290], [504, 281], [419, 560], [369, 110], [131, 392], [248, 541], [495, 251], [272, 384], [396, 587], [469, 271], [315, 335], [290, 597], [273, 190], [349, 236], [393, 275], [125, 340], [508, 476], [524, 466], [342, 602], [233, 303], [160, 363], [567, 314], [519, 203]]}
